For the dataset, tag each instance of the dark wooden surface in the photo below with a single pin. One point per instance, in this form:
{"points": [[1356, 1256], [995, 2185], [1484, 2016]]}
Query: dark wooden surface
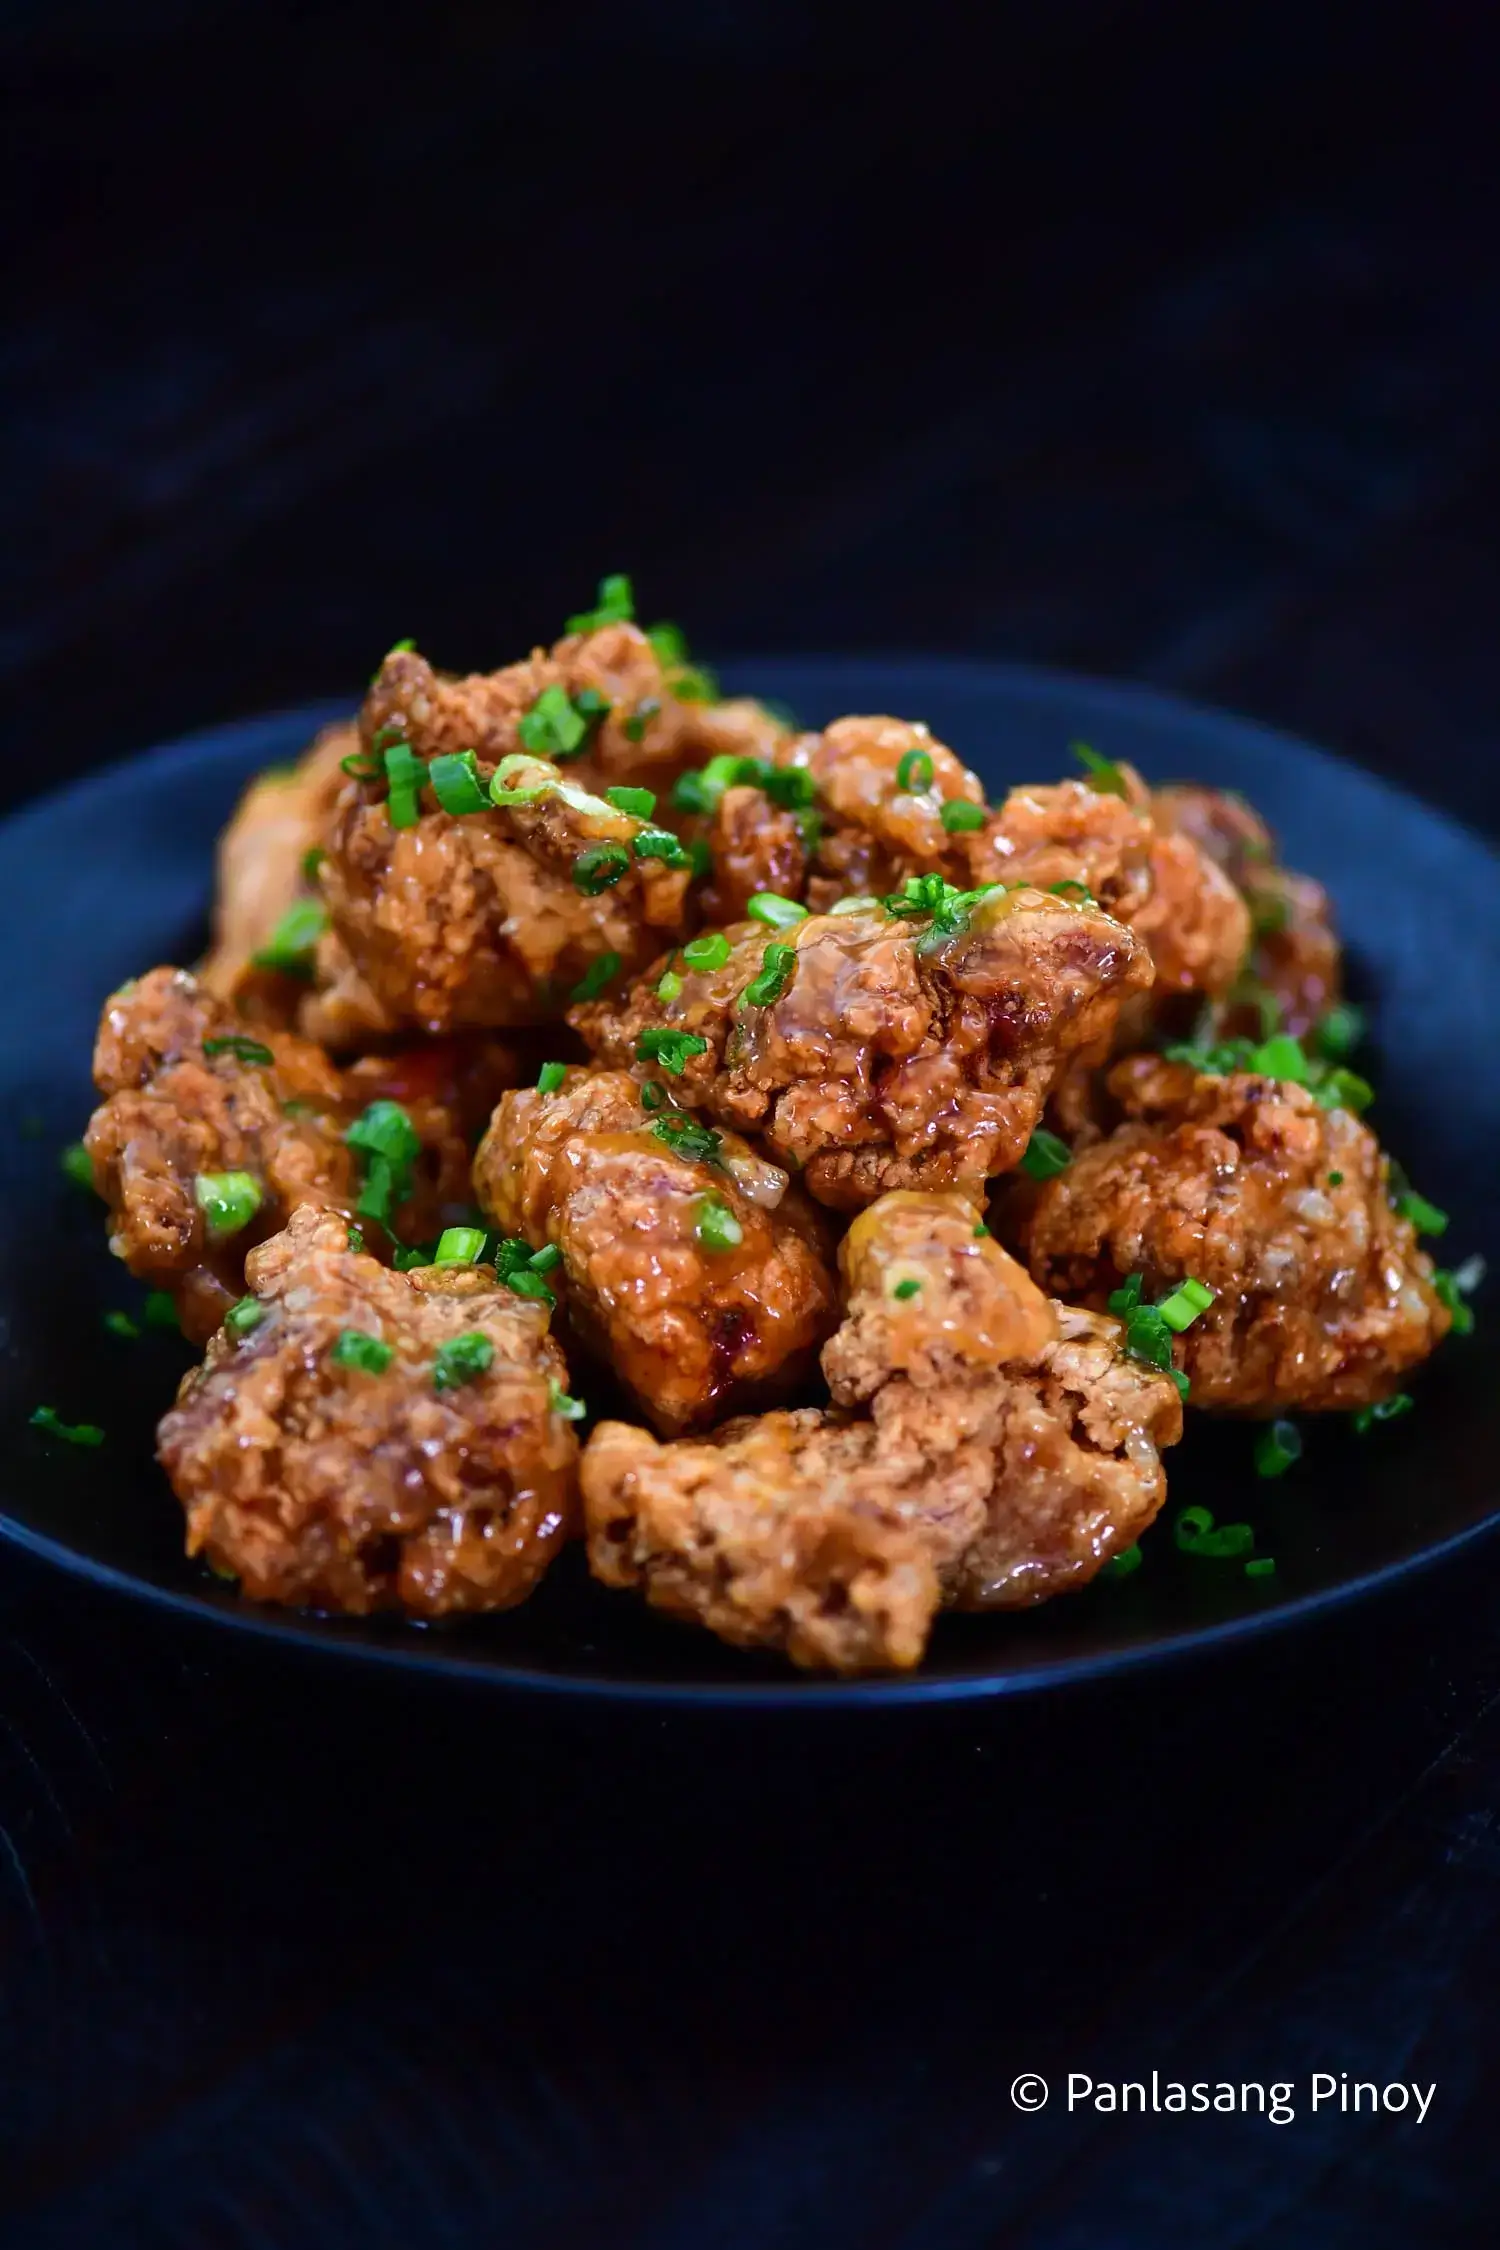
{"points": [[1123, 340]]}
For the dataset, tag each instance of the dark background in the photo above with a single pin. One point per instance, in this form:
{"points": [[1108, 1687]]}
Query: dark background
{"points": [[1149, 339]]}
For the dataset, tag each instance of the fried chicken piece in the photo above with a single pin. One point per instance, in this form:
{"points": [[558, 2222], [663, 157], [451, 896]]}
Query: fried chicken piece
{"points": [[1282, 1207], [755, 845], [189, 1092], [430, 1468], [1294, 954], [283, 816], [692, 1269], [895, 1052], [988, 1449]]}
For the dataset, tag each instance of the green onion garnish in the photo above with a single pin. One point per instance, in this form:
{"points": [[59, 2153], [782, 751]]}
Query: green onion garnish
{"points": [[639, 803], [669, 642], [1105, 777], [596, 976], [242, 1317], [1046, 1155], [1335, 1179], [672, 1049], [456, 783], [687, 1136], [354, 1239], [776, 912], [641, 717], [1340, 1032], [1123, 1565], [558, 1401], [360, 766], [1450, 1292], [527, 1282], [791, 787], [669, 986], [293, 942], [78, 1164], [160, 1311], [228, 1201], [1182, 1308], [1277, 1446], [1080, 891], [461, 1359], [716, 1226], [543, 1260], [356, 1348], [406, 773], [1385, 1410], [710, 952], [121, 1324], [1281, 1056], [552, 728], [652, 1096], [387, 1145], [550, 1077], [600, 868], [1125, 1299], [1261, 1566], [76, 1433], [1424, 1216], [700, 792], [904, 1291], [1345, 1089], [775, 975], [660, 843], [1195, 1533], [253, 1051], [459, 1246], [914, 772], [615, 606], [959, 817], [312, 860]]}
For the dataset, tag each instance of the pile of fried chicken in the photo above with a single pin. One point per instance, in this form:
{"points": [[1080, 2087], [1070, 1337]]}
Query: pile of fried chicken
{"points": [[899, 1161]]}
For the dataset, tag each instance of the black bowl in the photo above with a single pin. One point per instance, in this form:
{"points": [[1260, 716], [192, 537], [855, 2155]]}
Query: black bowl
{"points": [[113, 875]]}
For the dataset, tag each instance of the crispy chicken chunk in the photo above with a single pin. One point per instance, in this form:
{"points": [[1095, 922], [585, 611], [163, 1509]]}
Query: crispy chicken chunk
{"points": [[1323, 1299], [426, 1468], [264, 868], [988, 1449], [873, 1052], [1294, 953], [190, 1093], [692, 1269]]}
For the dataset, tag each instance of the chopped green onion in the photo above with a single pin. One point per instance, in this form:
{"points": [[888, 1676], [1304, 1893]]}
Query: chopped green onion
{"points": [[600, 868], [644, 712], [461, 1359], [689, 1137], [596, 976], [1105, 777], [253, 1051], [669, 642], [1182, 1308], [552, 727], [1345, 1089], [76, 1433], [615, 606], [228, 1201], [365, 1353], [459, 1246], [242, 1317], [550, 1077], [709, 952], [160, 1311], [1449, 1288], [904, 1291], [1070, 889], [387, 1144], [591, 707], [1335, 1179], [354, 1239], [700, 858], [1384, 1410], [791, 787], [406, 773], [408, 1259], [774, 977], [293, 942], [700, 791], [980, 1231], [559, 1403], [78, 1164], [652, 1096], [639, 803], [1261, 1566], [669, 986], [716, 1226], [1424, 1216], [543, 1260], [1196, 1534], [527, 1282], [1340, 1032], [660, 843], [1282, 1056], [1046, 1155], [456, 783], [776, 912], [1123, 1565], [1277, 1446], [360, 766], [959, 817], [914, 772], [312, 860], [1125, 1299], [121, 1324], [672, 1049]]}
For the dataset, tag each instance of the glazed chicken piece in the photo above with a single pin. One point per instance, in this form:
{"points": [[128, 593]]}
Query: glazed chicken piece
{"points": [[1282, 1207], [266, 866], [692, 1268], [987, 1448], [874, 1051], [359, 1439], [1294, 955], [209, 1135]]}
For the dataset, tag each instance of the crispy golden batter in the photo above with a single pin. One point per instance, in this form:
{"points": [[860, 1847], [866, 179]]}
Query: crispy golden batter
{"points": [[694, 1327], [896, 1055], [755, 846], [323, 1484], [1294, 955], [172, 1112], [1006, 1450], [1282, 1207], [263, 869]]}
